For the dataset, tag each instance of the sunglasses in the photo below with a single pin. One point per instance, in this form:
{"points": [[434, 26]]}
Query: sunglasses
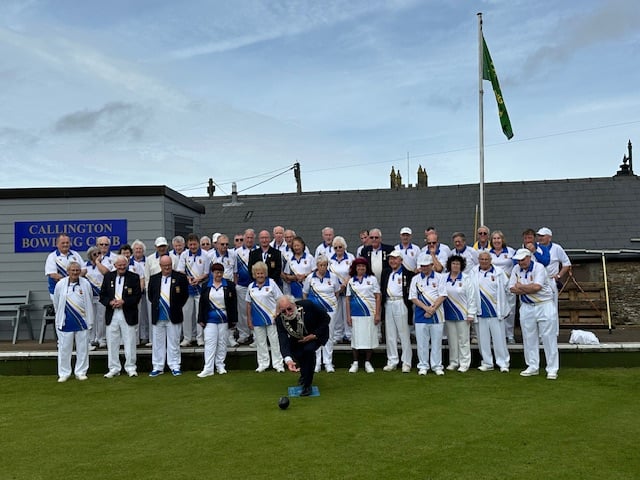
{"points": [[223, 244], [103, 244], [483, 233]]}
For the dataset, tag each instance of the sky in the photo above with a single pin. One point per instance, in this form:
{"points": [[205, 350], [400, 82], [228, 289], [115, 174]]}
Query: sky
{"points": [[161, 92]]}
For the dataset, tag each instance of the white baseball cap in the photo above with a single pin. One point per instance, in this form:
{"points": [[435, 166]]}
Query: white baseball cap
{"points": [[545, 231], [521, 253], [406, 230]]}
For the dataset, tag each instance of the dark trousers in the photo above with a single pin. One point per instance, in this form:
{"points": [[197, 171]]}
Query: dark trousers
{"points": [[305, 355]]}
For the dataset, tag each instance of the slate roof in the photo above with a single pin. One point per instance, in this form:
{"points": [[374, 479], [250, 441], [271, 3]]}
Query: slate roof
{"points": [[587, 213]]}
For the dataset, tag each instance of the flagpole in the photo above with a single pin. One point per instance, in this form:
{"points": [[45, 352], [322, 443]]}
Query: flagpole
{"points": [[481, 117]]}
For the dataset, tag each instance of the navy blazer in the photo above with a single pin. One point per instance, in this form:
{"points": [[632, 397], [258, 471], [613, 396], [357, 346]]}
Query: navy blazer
{"points": [[131, 293], [273, 261], [178, 296], [406, 285], [316, 322], [386, 250], [230, 303]]}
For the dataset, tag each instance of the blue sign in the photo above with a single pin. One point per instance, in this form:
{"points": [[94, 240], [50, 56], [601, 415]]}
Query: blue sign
{"points": [[33, 237]]}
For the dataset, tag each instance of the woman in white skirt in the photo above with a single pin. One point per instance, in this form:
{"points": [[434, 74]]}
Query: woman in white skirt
{"points": [[363, 312]]}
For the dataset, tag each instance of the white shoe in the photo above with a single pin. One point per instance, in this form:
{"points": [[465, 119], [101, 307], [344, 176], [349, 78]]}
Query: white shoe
{"points": [[92, 347], [552, 376], [329, 369], [439, 372], [112, 373], [148, 344], [389, 368], [406, 368], [185, 343], [233, 343], [132, 374], [368, 367], [511, 341], [353, 368], [280, 370], [422, 371], [317, 369], [252, 345], [504, 369], [463, 369], [82, 378], [261, 369], [201, 343], [204, 374], [485, 368], [529, 372], [222, 371], [63, 378], [452, 366]]}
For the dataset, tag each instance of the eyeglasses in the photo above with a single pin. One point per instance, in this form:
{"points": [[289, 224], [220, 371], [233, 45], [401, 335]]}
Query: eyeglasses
{"points": [[483, 233], [373, 238], [205, 244], [237, 240], [103, 244], [338, 246], [223, 244]]}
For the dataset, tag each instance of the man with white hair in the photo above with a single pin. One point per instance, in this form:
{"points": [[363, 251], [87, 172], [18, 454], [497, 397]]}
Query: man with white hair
{"points": [[326, 247], [120, 294], [178, 244], [278, 241], [377, 253], [529, 280], [559, 264], [55, 268]]}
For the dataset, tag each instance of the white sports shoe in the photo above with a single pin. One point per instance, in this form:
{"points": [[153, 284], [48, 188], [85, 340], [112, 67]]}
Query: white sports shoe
{"points": [[368, 367], [422, 371], [353, 368]]}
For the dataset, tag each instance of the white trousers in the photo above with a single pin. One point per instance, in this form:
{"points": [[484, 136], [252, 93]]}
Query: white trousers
{"points": [[342, 329], [260, 335], [492, 330], [244, 331], [215, 346], [429, 333], [166, 345], [65, 349], [324, 354], [537, 321], [396, 326], [554, 288], [99, 327], [144, 318], [459, 345], [119, 331], [191, 329], [510, 320]]}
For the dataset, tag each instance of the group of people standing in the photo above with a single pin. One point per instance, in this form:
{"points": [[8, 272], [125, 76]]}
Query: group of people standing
{"points": [[207, 292]]}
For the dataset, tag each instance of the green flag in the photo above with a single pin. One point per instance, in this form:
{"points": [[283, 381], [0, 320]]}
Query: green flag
{"points": [[489, 73]]}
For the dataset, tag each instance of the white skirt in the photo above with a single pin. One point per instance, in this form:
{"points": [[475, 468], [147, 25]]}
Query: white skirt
{"points": [[364, 334]]}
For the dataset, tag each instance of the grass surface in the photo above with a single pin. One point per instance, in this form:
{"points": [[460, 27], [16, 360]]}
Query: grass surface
{"points": [[386, 425]]}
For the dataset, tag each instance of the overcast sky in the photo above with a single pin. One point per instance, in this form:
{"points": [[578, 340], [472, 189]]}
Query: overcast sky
{"points": [[125, 92]]}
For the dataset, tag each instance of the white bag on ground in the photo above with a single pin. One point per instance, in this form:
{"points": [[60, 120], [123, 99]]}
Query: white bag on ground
{"points": [[582, 337]]}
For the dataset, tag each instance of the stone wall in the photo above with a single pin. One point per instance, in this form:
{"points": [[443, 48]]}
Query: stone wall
{"points": [[624, 287]]}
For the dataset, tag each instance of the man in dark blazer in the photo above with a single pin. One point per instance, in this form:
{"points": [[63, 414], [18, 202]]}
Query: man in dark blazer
{"points": [[269, 255], [303, 327], [120, 294], [168, 291], [377, 253], [397, 312]]}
